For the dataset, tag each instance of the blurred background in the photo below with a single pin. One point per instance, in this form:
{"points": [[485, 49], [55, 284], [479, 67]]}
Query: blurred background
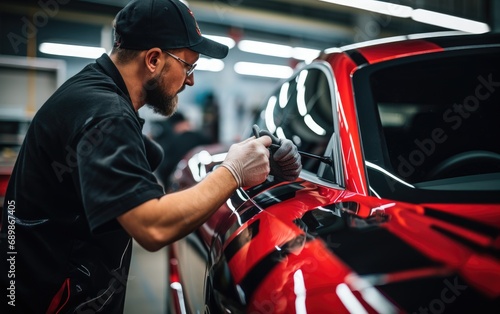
{"points": [[267, 39], [44, 42]]}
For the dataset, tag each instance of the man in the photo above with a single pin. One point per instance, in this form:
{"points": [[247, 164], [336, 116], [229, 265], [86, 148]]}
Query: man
{"points": [[83, 186]]}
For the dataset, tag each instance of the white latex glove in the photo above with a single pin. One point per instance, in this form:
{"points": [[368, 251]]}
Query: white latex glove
{"points": [[248, 161]]}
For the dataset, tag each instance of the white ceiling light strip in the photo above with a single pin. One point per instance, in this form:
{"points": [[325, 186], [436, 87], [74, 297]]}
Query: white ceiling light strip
{"points": [[306, 54], [263, 70], [449, 21], [212, 65], [376, 6], [72, 50], [267, 49], [229, 42], [277, 50], [419, 15]]}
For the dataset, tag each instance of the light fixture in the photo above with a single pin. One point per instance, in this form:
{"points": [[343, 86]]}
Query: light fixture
{"points": [[277, 50], [212, 65], [71, 50], [449, 21], [419, 15], [267, 49], [376, 6], [229, 42], [263, 70], [306, 54]]}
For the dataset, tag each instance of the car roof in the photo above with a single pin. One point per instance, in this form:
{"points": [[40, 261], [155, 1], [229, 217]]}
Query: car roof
{"points": [[373, 51]]}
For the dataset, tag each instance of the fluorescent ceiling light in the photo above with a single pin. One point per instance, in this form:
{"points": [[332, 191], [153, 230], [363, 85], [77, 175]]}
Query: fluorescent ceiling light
{"points": [[229, 42], [419, 15], [376, 6], [277, 50], [264, 70], [267, 49], [307, 54], [72, 50], [212, 65], [449, 21]]}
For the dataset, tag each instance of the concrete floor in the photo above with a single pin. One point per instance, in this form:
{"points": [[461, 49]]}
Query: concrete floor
{"points": [[147, 284]]}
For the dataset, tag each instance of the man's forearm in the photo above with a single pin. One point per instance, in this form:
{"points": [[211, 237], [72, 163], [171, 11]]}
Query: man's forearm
{"points": [[159, 222]]}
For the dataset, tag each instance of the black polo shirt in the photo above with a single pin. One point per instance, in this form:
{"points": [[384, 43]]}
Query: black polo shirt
{"points": [[84, 162]]}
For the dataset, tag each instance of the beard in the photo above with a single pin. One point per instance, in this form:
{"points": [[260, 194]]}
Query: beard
{"points": [[157, 99]]}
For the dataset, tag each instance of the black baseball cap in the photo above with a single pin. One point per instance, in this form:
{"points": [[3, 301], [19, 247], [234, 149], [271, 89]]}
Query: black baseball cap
{"points": [[166, 24]]}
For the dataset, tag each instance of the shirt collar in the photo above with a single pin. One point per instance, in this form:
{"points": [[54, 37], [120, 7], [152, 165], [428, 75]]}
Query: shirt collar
{"points": [[110, 69]]}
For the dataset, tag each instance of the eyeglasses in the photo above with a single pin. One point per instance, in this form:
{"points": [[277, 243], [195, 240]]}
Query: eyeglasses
{"points": [[190, 66]]}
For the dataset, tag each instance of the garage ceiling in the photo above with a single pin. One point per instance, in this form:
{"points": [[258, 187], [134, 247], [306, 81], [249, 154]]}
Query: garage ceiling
{"points": [[311, 23], [318, 21]]}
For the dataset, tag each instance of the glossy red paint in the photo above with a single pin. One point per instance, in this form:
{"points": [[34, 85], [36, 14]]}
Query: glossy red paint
{"points": [[431, 236], [355, 179], [390, 51], [324, 272], [273, 233], [485, 213], [311, 266]]}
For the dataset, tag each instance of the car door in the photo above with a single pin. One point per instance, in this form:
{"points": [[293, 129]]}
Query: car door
{"points": [[301, 108]]}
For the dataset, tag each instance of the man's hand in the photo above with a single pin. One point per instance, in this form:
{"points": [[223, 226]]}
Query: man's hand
{"points": [[248, 161], [285, 160]]}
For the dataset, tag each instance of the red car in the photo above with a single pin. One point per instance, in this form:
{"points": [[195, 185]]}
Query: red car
{"points": [[397, 208]]}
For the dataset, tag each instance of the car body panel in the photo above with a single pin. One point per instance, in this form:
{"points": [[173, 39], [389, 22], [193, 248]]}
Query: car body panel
{"points": [[431, 248], [398, 50]]}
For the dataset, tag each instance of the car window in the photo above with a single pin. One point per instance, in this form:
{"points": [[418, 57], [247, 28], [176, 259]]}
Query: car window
{"points": [[300, 109], [433, 118], [434, 110]]}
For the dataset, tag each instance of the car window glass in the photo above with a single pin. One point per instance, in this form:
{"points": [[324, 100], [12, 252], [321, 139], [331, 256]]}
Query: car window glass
{"points": [[439, 117], [301, 110]]}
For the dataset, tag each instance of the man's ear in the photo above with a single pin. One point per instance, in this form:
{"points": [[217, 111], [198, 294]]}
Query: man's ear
{"points": [[153, 59]]}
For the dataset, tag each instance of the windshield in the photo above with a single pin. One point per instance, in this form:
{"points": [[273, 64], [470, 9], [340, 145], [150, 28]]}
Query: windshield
{"points": [[432, 123]]}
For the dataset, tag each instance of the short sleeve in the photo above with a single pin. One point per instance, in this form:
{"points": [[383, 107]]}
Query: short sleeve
{"points": [[113, 170]]}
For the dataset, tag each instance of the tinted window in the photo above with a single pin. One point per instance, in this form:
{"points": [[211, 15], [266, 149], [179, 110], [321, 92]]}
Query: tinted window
{"points": [[436, 111]]}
